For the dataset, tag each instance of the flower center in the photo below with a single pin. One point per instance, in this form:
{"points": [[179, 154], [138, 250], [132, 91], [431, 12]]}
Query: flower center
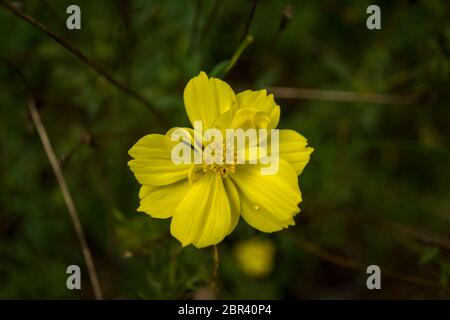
{"points": [[222, 169]]}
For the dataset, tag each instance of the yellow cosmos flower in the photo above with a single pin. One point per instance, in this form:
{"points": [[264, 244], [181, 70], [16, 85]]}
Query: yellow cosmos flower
{"points": [[255, 257], [206, 200]]}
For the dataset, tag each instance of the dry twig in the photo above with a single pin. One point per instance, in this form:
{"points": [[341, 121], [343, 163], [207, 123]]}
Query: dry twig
{"points": [[67, 197], [357, 265], [342, 96], [40, 128]]}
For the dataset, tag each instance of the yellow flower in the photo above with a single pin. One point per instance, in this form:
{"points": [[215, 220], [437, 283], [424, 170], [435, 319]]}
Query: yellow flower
{"points": [[206, 200], [255, 257]]}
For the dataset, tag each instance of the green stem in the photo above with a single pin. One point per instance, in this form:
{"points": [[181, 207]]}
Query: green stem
{"points": [[215, 256], [244, 44]]}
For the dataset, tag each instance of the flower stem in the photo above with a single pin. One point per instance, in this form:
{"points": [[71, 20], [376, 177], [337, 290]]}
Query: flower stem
{"points": [[215, 257], [244, 44]]}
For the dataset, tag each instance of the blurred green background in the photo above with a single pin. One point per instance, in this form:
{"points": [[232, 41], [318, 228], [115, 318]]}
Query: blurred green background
{"points": [[376, 190]]}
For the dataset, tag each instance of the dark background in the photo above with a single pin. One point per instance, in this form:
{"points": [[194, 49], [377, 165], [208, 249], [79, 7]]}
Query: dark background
{"points": [[376, 190]]}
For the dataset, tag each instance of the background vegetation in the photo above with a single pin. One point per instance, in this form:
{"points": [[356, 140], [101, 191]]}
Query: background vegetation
{"points": [[375, 192]]}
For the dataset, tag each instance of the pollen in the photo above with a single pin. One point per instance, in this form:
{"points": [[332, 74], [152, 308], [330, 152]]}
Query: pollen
{"points": [[222, 169]]}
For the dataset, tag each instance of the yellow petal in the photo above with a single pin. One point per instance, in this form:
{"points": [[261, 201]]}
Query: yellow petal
{"points": [[294, 150], [260, 101], [206, 98], [204, 216], [189, 135], [161, 202], [243, 118], [268, 202], [235, 205], [152, 164], [246, 118], [145, 190]]}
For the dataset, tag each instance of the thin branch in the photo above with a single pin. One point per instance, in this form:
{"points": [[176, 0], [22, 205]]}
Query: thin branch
{"points": [[422, 235], [249, 19], [67, 197], [237, 54], [222, 69], [91, 63], [342, 96], [418, 234], [357, 265], [61, 181]]}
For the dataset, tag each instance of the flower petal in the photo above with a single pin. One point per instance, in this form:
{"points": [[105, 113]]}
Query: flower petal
{"points": [[233, 197], [161, 202], [294, 150], [145, 190], [260, 101], [206, 98], [152, 164], [204, 216], [193, 138], [268, 202]]}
